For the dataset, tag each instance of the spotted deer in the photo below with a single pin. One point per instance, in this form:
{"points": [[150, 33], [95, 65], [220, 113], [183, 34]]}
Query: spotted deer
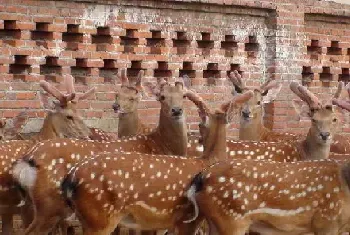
{"points": [[140, 190], [273, 198], [170, 137]]}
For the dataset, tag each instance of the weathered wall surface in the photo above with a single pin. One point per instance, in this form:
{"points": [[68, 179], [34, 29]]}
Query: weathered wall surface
{"points": [[288, 40]]}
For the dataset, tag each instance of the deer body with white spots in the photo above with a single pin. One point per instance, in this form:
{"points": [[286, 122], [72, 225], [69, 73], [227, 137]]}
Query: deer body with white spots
{"points": [[143, 191], [274, 198], [169, 138]]}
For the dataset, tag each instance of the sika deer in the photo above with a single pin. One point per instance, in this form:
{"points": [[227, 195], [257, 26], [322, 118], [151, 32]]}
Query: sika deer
{"points": [[143, 191], [274, 198], [169, 138]]}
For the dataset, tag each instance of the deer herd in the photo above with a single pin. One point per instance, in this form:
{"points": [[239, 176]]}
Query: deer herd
{"points": [[167, 180]]}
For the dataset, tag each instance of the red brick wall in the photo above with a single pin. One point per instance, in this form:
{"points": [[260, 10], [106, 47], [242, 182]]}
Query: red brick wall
{"points": [[204, 39]]}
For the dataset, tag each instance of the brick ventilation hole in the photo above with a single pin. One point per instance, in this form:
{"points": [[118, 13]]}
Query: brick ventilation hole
{"points": [[42, 34], [156, 42], [307, 75], [10, 32], [314, 50], [234, 67], [162, 71], [181, 43], [345, 75], [187, 69], [229, 46], [205, 44], [129, 41], [334, 49], [211, 73], [51, 69], [133, 71], [109, 70], [326, 76], [72, 37], [252, 46], [81, 71], [21, 67], [102, 39]]}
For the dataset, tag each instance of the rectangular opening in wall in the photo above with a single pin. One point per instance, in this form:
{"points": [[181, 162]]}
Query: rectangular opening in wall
{"points": [[162, 70], [211, 73], [72, 37], [234, 67], [345, 75], [80, 71], [181, 43], [133, 71], [252, 45], [102, 38], [307, 75], [229, 45], [51, 69], [129, 41], [326, 75], [156, 42], [20, 66], [334, 49], [109, 71], [314, 50], [205, 43], [9, 32], [41, 34], [187, 69]]}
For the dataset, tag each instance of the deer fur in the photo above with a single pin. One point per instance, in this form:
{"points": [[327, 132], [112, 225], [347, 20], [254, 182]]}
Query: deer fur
{"points": [[170, 97], [155, 199], [274, 198]]}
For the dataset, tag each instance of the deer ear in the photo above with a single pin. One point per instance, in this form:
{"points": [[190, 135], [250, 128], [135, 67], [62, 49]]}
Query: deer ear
{"points": [[20, 120], [271, 94], [45, 102], [301, 109], [151, 89], [2, 123]]}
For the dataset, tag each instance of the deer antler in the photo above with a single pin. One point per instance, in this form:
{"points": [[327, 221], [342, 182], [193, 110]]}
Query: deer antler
{"points": [[86, 94], [53, 91], [124, 79], [304, 94], [269, 84], [203, 108], [344, 104], [339, 90], [236, 79], [69, 82], [237, 100], [138, 81]]}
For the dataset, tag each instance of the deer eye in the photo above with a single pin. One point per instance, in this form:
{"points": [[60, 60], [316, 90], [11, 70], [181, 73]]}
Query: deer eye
{"points": [[313, 120], [258, 103], [69, 117], [162, 97], [335, 120], [132, 99]]}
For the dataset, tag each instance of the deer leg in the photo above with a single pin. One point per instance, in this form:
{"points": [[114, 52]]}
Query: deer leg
{"points": [[229, 227], [41, 225], [7, 224]]}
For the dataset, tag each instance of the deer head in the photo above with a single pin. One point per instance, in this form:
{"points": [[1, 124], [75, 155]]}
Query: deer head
{"points": [[13, 131], [63, 119], [213, 122], [128, 96], [323, 115], [251, 113]]}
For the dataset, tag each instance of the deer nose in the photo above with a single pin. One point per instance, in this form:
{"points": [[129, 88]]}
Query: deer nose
{"points": [[325, 135], [246, 114], [176, 111], [116, 107]]}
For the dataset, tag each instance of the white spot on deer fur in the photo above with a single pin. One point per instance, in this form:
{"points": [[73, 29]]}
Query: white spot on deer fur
{"points": [[209, 189], [331, 205], [276, 212], [72, 156], [126, 175], [221, 179], [151, 166], [131, 187], [336, 190]]}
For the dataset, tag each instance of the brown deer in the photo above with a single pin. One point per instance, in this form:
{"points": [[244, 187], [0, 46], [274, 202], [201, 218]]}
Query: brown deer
{"points": [[251, 118], [273, 198], [12, 132], [139, 190], [170, 137]]}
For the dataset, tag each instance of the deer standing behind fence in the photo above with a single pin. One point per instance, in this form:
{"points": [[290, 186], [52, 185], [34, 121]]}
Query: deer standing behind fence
{"points": [[170, 137], [273, 198]]}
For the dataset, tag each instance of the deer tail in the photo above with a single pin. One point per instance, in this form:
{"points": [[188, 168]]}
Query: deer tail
{"points": [[195, 186], [69, 186], [25, 173]]}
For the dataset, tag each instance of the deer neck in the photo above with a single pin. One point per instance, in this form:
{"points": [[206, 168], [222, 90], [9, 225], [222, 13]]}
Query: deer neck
{"points": [[313, 150], [254, 130], [215, 146], [47, 131], [172, 134], [128, 124]]}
